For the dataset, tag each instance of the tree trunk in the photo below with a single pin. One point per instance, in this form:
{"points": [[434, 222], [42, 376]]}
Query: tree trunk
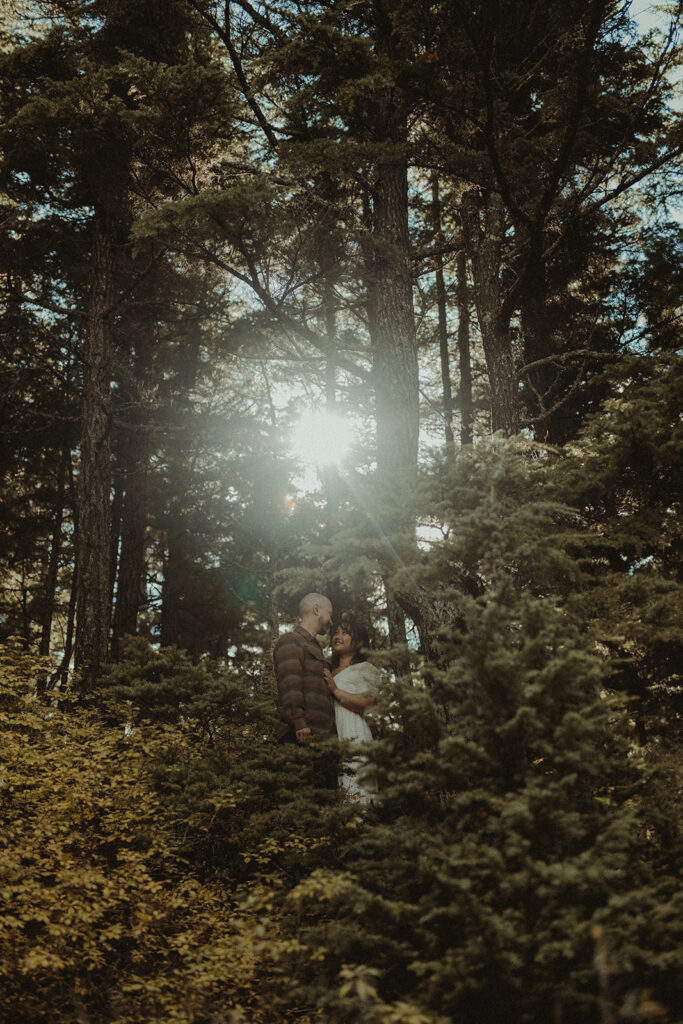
{"points": [[130, 585], [394, 345], [542, 384], [50, 586], [61, 672], [115, 527], [26, 620], [170, 590], [392, 328], [180, 475], [444, 354], [273, 617], [483, 220], [330, 474], [464, 355], [131, 591], [93, 597], [394, 356], [395, 615]]}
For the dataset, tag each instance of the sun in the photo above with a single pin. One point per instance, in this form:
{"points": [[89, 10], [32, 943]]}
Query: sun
{"points": [[321, 438]]}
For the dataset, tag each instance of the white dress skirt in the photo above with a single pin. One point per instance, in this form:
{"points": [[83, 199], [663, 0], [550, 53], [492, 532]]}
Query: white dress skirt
{"points": [[361, 679]]}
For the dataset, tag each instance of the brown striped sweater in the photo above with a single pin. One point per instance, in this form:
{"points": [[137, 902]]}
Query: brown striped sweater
{"points": [[304, 699]]}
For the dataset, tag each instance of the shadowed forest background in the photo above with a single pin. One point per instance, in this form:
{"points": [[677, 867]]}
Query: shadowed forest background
{"points": [[234, 237]]}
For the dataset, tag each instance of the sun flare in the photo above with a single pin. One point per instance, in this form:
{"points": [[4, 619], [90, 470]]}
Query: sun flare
{"points": [[322, 438]]}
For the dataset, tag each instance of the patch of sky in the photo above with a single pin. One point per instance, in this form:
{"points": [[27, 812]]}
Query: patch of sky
{"points": [[79, 214], [651, 17], [659, 19], [429, 534], [640, 564]]}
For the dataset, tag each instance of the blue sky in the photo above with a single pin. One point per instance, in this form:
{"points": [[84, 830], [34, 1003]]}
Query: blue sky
{"points": [[649, 16]]}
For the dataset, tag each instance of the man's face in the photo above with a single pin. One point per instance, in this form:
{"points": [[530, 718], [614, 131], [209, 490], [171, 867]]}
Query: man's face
{"points": [[324, 616]]}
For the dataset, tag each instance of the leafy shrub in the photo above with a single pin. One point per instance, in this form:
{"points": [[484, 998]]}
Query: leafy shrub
{"points": [[105, 920]]}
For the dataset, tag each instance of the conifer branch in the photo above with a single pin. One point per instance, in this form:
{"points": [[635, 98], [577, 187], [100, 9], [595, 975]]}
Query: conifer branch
{"points": [[546, 413], [563, 357], [490, 133], [602, 173], [260, 19], [285, 319], [573, 121], [52, 307], [224, 34], [433, 252], [626, 183]]}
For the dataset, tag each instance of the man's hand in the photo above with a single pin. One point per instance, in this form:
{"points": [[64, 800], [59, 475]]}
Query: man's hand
{"points": [[302, 734], [329, 679]]}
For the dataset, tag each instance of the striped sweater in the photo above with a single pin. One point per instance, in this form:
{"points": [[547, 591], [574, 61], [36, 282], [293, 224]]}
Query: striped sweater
{"points": [[304, 699]]}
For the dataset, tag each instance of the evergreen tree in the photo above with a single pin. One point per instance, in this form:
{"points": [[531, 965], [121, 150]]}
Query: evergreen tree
{"points": [[514, 829], [624, 477], [550, 116], [118, 102]]}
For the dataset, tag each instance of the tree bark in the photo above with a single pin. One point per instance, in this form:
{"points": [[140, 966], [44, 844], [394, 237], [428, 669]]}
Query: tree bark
{"points": [[178, 545], [483, 220], [394, 344], [543, 384], [464, 354], [135, 456], [395, 356], [50, 585], [115, 527], [392, 324], [330, 474], [395, 615], [93, 597], [174, 564], [447, 388], [61, 672], [130, 584]]}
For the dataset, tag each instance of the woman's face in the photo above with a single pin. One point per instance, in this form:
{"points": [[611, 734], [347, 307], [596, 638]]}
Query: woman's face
{"points": [[343, 642]]}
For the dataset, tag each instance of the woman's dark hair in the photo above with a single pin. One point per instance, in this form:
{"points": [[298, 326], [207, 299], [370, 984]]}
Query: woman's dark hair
{"points": [[359, 635]]}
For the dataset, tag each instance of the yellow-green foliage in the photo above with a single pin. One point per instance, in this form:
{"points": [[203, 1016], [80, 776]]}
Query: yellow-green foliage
{"points": [[101, 920]]}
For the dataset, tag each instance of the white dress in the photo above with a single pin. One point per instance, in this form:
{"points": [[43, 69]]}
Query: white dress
{"points": [[361, 679]]}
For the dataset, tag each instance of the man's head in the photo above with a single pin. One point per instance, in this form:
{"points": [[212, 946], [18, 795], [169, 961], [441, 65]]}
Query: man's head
{"points": [[315, 611]]}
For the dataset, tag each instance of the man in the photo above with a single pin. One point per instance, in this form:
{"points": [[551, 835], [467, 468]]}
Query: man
{"points": [[305, 704]]}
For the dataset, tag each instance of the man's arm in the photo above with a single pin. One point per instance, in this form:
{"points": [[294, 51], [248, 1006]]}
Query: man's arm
{"points": [[288, 658]]}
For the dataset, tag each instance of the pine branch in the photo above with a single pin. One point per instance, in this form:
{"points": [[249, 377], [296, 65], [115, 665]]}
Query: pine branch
{"points": [[573, 121], [261, 19], [563, 357], [629, 182], [296, 327], [224, 34]]}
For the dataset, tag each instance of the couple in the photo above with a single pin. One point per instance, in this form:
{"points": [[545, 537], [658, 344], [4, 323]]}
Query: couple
{"points": [[317, 699]]}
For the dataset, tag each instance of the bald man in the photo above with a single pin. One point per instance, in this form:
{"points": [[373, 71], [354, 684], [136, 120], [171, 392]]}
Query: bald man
{"points": [[305, 704]]}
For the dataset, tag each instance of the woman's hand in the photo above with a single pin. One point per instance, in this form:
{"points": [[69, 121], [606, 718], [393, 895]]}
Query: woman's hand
{"points": [[329, 679]]}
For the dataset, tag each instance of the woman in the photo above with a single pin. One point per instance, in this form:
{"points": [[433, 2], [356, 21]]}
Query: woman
{"points": [[353, 683]]}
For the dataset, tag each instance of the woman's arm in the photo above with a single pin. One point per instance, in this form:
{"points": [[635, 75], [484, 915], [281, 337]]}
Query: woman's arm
{"points": [[353, 701]]}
